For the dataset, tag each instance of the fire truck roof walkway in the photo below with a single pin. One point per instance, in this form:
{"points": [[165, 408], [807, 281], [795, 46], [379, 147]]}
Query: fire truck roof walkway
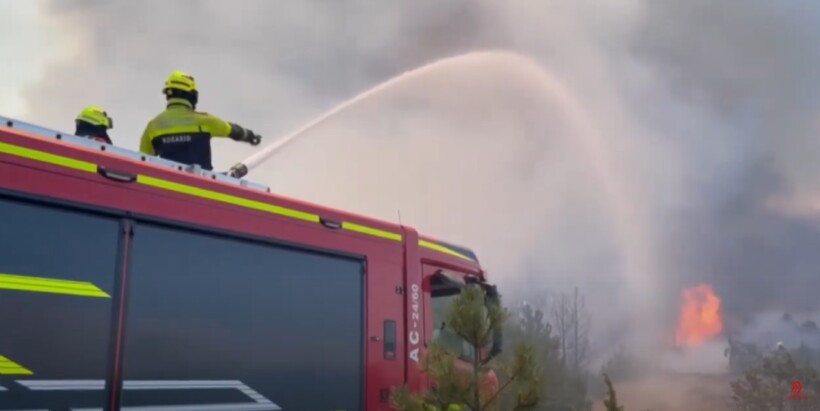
{"points": [[131, 154]]}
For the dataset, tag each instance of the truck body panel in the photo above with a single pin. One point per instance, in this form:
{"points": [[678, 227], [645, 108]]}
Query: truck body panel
{"points": [[125, 283]]}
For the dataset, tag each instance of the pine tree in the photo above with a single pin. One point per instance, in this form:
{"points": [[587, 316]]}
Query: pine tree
{"points": [[476, 321], [611, 402]]}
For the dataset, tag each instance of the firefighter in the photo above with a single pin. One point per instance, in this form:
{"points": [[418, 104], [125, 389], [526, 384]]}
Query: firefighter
{"points": [[182, 134], [93, 123]]}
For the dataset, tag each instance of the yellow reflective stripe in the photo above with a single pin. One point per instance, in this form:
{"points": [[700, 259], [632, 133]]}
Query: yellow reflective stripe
{"points": [[9, 367], [442, 249], [371, 231], [226, 198], [48, 158], [258, 205], [50, 285], [192, 191], [166, 126]]}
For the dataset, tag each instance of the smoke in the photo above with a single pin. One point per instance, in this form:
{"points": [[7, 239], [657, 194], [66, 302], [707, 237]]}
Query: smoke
{"points": [[750, 67], [707, 111], [770, 328]]}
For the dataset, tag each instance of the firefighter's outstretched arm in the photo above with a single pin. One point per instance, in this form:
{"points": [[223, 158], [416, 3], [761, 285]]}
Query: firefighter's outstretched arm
{"points": [[240, 133], [221, 128]]}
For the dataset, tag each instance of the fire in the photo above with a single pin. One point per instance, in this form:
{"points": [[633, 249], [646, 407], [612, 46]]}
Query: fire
{"points": [[699, 316]]}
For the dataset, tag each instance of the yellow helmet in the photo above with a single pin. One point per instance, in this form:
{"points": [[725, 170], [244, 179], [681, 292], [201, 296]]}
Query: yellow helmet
{"points": [[179, 80], [96, 116]]}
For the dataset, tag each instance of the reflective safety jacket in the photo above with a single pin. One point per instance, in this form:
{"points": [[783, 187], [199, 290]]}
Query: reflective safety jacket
{"points": [[183, 135]]}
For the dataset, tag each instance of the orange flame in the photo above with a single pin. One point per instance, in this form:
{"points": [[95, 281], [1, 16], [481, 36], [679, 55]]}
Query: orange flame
{"points": [[699, 316]]}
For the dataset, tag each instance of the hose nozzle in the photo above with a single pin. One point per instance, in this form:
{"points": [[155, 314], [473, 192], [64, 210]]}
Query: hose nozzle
{"points": [[238, 171]]}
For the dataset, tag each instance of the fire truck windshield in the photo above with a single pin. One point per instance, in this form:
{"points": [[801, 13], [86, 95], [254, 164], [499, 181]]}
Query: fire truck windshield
{"points": [[445, 287], [441, 333]]}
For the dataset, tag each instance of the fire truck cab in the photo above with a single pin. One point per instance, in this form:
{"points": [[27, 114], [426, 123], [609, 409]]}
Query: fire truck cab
{"points": [[128, 282]]}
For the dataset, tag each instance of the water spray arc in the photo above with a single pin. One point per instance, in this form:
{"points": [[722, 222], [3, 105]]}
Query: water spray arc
{"points": [[243, 168], [630, 220]]}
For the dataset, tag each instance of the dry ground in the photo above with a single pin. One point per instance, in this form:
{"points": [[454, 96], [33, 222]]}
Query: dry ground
{"points": [[673, 392]]}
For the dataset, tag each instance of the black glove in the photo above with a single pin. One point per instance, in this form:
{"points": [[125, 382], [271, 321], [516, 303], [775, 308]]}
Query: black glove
{"points": [[252, 138], [239, 133]]}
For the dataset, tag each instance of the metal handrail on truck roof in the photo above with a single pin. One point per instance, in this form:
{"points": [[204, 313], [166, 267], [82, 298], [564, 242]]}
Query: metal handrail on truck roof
{"points": [[46, 133], [130, 154]]}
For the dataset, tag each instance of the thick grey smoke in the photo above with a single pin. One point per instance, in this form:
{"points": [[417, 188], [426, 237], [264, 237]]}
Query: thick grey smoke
{"points": [[750, 65], [708, 110]]}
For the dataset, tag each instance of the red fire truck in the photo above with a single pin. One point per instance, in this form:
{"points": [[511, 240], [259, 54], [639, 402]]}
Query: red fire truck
{"points": [[128, 282]]}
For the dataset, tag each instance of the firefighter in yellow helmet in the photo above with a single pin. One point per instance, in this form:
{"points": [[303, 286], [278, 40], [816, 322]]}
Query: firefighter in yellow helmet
{"points": [[182, 134], [93, 123]]}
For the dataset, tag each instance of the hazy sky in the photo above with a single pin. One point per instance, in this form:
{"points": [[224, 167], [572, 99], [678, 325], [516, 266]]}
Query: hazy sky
{"points": [[679, 146], [26, 41]]}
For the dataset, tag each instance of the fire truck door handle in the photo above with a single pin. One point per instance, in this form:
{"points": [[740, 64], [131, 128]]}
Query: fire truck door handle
{"points": [[116, 175], [333, 225]]}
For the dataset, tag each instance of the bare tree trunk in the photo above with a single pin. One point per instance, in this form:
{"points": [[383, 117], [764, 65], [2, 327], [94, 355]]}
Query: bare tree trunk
{"points": [[563, 315], [575, 321], [572, 325]]}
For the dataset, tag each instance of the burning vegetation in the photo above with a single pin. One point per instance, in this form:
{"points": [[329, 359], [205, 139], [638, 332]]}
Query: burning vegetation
{"points": [[700, 317]]}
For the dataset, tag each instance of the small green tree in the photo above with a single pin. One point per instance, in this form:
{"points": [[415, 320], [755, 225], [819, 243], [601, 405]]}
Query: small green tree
{"points": [[611, 402], [476, 321]]}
